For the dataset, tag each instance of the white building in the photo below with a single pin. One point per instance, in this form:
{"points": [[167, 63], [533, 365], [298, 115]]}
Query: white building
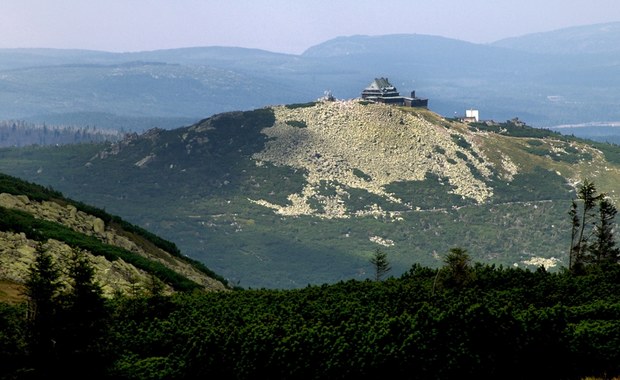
{"points": [[472, 115]]}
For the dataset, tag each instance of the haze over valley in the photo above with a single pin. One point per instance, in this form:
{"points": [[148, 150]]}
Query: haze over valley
{"points": [[170, 88]]}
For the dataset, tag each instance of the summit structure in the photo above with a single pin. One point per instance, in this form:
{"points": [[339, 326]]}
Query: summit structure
{"points": [[382, 91]]}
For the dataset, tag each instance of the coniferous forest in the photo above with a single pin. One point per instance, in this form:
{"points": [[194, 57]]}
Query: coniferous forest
{"points": [[465, 321], [462, 320]]}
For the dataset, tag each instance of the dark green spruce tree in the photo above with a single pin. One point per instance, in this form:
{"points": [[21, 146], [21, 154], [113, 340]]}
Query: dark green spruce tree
{"points": [[380, 264], [456, 273], [592, 233], [458, 268], [604, 249], [43, 288], [84, 311], [575, 228]]}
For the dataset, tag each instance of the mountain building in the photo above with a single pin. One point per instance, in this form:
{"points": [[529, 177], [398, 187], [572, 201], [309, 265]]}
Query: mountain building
{"points": [[382, 91], [471, 116]]}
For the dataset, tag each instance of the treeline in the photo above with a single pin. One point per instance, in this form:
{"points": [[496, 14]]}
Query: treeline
{"points": [[18, 133], [460, 321]]}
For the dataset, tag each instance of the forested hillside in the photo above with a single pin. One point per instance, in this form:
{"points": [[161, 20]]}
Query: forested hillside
{"points": [[463, 320]]}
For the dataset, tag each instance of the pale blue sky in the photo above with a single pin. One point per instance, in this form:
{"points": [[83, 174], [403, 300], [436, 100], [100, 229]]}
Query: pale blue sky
{"points": [[287, 26]]}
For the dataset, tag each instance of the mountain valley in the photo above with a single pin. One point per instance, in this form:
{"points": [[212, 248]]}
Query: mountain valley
{"points": [[224, 154]]}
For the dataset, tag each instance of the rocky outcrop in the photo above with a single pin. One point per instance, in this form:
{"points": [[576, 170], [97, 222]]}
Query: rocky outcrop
{"points": [[349, 144], [17, 252]]}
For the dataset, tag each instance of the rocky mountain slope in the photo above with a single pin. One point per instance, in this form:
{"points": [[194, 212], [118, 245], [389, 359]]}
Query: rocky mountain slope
{"points": [[141, 260], [289, 195]]}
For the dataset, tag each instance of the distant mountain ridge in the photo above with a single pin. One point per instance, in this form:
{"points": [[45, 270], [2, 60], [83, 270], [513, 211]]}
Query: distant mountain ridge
{"points": [[585, 39], [526, 77], [387, 45]]}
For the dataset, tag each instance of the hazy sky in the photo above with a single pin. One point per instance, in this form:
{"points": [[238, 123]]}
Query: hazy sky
{"points": [[287, 26]]}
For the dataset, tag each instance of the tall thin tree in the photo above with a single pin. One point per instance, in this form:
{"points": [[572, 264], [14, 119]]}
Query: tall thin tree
{"points": [[42, 289], [380, 264], [85, 300], [587, 194], [604, 250], [83, 316], [575, 224]]}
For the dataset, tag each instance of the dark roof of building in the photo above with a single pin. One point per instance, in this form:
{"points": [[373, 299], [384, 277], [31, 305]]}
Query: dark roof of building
{"points": [[381, 86], [380, 90]]}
